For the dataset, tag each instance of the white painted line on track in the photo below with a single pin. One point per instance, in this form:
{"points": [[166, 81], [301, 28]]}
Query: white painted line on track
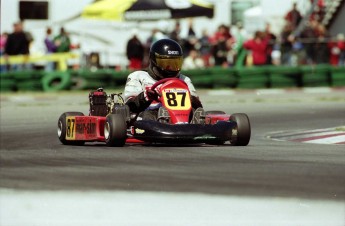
{"points": [[103, 208], [329, 140], [333, 135]]}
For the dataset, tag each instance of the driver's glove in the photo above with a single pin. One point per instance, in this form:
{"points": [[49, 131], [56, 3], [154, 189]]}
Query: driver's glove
{"points": [[150, 95]]}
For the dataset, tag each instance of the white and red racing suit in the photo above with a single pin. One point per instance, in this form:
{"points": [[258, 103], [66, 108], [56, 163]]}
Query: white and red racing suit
{"points": [[135, 88]]}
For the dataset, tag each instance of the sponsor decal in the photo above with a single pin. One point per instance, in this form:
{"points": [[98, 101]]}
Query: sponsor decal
{"points": [[178, 4], [148, 14], [139, 131], [205, 137], [173, 52], [86, 127]]}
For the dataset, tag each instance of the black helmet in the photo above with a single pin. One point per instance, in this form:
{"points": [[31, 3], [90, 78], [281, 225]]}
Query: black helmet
{"points": [[166, 58]]}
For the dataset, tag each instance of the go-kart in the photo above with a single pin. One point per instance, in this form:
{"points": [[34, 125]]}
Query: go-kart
{"points": [[111, 121]]}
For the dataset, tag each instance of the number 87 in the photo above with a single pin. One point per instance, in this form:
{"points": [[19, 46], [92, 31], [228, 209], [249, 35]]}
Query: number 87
{"points": [[172, 99]]}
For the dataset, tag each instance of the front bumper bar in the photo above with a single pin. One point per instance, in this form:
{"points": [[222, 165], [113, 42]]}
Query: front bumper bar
{"points": [[156, 132]]}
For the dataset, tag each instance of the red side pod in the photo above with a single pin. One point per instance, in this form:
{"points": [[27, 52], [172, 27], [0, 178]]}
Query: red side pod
{"points": [[89, 128], [214, 118]]}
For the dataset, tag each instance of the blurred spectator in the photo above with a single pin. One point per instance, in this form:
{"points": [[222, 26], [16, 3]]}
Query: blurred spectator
{"points": [[321, 46], [204, 46], [17, 44], [135, 52], [221, 46], [341, 41], [62, 41], [50, 48], [156, 34], [294, 17], [258, 46], [286, 44], [191, 31], [319, 10], [240, 36], [309, 35], [337, 49], [175, 33], [193, 60], [271, 39], [3, 39]]}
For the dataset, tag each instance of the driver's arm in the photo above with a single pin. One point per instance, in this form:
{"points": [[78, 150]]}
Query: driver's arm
{"points": [[134, 94]]}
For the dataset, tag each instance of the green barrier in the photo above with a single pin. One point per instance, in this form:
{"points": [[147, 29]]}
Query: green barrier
{"points": [[284, 76], [253, 77], [203, 81], [338, 76], [216, 77], [7, 85], [6, 75], [56, 81], [119, 78], [201, 78], [101, 74], [29, 86], [224, 77], [316, 75], [79, 83], [27, 75], [194, 73]]}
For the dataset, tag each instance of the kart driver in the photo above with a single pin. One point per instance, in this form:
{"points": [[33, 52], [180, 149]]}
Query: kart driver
{"points": [[166, 58]]}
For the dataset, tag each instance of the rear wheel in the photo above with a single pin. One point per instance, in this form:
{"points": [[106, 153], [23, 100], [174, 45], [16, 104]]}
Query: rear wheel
{"points": [[62, 128], [241, 133], [115, 130]]}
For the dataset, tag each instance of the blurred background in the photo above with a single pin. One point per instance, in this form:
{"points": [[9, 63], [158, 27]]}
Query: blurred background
{"points": [[99, 42]]}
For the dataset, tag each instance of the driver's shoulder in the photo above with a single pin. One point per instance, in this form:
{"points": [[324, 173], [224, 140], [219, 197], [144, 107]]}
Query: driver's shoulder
{"points": [[184, 77], [138, 73]]}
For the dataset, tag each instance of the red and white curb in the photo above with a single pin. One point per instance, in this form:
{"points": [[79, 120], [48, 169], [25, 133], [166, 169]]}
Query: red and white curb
{"points": [[334, 135]]}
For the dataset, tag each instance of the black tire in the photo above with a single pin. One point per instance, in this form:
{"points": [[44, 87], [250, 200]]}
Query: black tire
{"points": [[61, 130], [243, 131], [115, 130], [215, 113]]}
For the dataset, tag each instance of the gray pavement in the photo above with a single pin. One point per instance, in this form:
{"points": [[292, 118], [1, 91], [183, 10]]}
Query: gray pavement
{"points": [[32, 159]]}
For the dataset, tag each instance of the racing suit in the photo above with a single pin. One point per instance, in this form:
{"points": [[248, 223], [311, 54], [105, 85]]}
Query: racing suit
{"points": [[135, 88]]}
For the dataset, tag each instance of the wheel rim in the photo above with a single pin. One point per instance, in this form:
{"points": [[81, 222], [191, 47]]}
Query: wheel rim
{"points": [[59, 129], [106, 130]]}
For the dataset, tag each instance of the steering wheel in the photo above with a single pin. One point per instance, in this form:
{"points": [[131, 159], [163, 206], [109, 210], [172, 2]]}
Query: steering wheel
{"points": [[154, 86]]}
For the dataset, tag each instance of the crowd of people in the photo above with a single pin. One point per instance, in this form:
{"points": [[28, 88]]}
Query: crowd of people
{"points": [[18, 43], [312, 46]]}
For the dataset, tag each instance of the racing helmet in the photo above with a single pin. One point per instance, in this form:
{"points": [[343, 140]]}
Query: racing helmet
{"points": [[166, 58]]}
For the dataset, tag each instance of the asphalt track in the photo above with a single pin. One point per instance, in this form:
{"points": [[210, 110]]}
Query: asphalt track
{"points": [[32, 159]]}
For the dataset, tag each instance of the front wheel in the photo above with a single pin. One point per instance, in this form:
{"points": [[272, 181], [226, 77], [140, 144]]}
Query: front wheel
{"points": [[241, 133], [62, 129], [115, 130]]}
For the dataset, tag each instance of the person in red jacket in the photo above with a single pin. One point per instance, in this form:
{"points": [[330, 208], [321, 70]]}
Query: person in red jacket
{"points": [[337, 50], [258, 45]]}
